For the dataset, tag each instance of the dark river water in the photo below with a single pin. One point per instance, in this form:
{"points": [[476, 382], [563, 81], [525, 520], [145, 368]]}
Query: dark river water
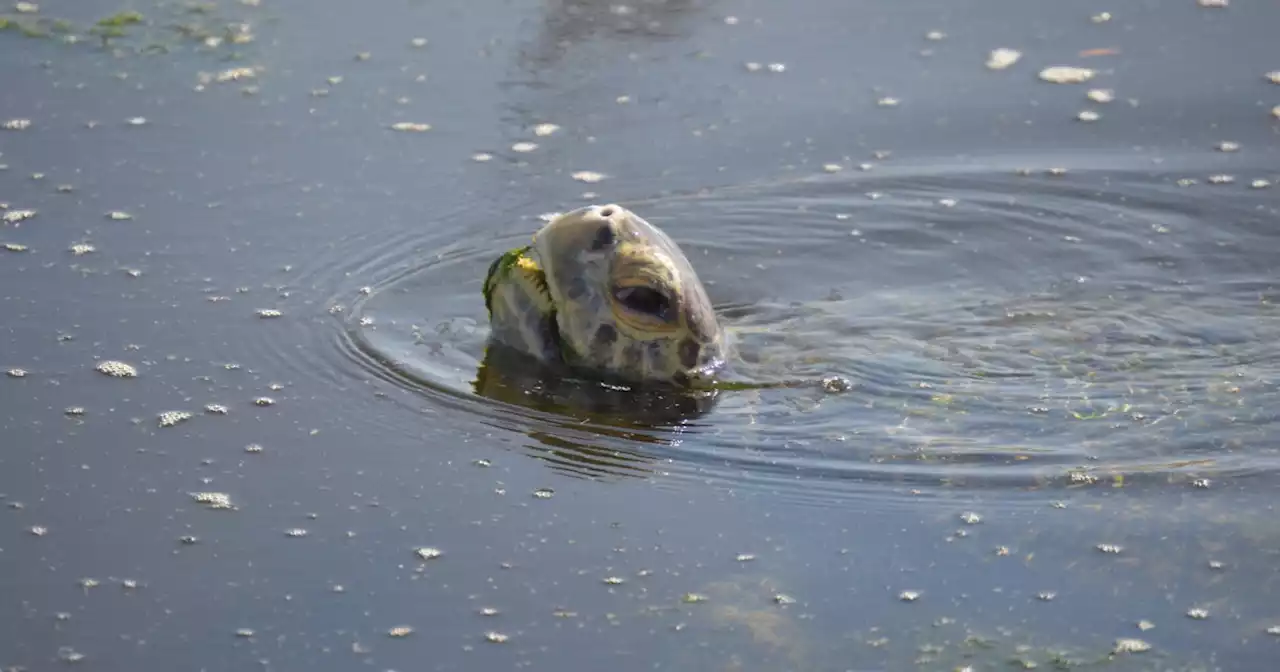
{"points": [[1054, 303]]}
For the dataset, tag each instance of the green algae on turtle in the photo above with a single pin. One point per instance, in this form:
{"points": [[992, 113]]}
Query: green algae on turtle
{"points": [[602, 291]]}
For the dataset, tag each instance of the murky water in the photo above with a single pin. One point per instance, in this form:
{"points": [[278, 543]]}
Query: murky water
{"points": [[1060, 429]]}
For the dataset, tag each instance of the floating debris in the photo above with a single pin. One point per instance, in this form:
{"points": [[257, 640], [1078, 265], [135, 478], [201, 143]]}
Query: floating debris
{"points": [[1101, 17], [136, 121], [411, 127], [524, 147], [1130, 645], [1001, 58], [783, 599], [1109, 548], [1221, 179], [171, 418], [1088, 115], [268, 313], [26, 7], [1065, 74], [745, 557], [1101, 95], [418, 42], [116, 369], [428, 552], [1214, 4], [400, 631], [253, 448], [1227, 146], [1046, 596], [1259, 184], [1081, 478], [909, 595], [543, 130], [487, 611], [244, 632], [481, 462], [213, 500], [1274, 630], [1198, 613], [1200, 483], [588, 176], [38, 530], [296, 532], [235, 75], [495, 637], [188, 540], [17, 216], [970, 518], [935, 36], [614, 580], [481, 157], [836, 384], [15, 247], [81, 249], [544, 493], [69, 655], [89, 583], [1145, 625], [1275, 111], [693, 598], [16, 124], [888, 101], [264, 401], [17, 373], [832, 167], [74, 411], [119, 215]]}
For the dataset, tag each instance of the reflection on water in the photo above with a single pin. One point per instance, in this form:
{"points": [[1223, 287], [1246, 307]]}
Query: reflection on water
{"points": [[580, 413], [572, 24]]}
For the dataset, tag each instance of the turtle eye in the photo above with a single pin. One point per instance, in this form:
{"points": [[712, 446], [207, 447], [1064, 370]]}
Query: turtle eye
{"points": [[645, 300]]}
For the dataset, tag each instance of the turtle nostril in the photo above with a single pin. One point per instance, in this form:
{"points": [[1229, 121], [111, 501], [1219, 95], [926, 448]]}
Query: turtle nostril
{"points": [[607, 212]]}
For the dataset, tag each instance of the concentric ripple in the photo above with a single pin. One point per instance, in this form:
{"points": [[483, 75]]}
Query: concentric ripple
{"points": [[1034, 329]]}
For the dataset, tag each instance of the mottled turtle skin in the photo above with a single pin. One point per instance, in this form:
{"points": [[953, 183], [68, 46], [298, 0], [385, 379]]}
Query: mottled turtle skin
{"points": [[602, 291]]}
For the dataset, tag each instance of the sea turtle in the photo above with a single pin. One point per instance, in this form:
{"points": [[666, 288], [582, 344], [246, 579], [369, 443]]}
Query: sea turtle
{"points": [[603, 292]]}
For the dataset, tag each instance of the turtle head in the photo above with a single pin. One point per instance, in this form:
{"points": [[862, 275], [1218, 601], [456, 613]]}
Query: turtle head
{"points": [[627, 301]]}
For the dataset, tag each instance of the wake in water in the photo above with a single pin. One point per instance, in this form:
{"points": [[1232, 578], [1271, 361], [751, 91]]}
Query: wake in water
{"points": [[971, 328]]}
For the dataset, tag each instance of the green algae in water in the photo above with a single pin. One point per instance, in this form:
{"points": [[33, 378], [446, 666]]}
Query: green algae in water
{"points": [[120, 20]]}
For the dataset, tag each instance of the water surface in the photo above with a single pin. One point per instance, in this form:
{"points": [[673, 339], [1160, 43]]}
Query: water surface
{"points": [[1059, 335]]}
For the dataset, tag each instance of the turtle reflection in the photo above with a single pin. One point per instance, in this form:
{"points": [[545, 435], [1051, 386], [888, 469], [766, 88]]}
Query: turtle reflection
{"points": [[590, 427]]}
